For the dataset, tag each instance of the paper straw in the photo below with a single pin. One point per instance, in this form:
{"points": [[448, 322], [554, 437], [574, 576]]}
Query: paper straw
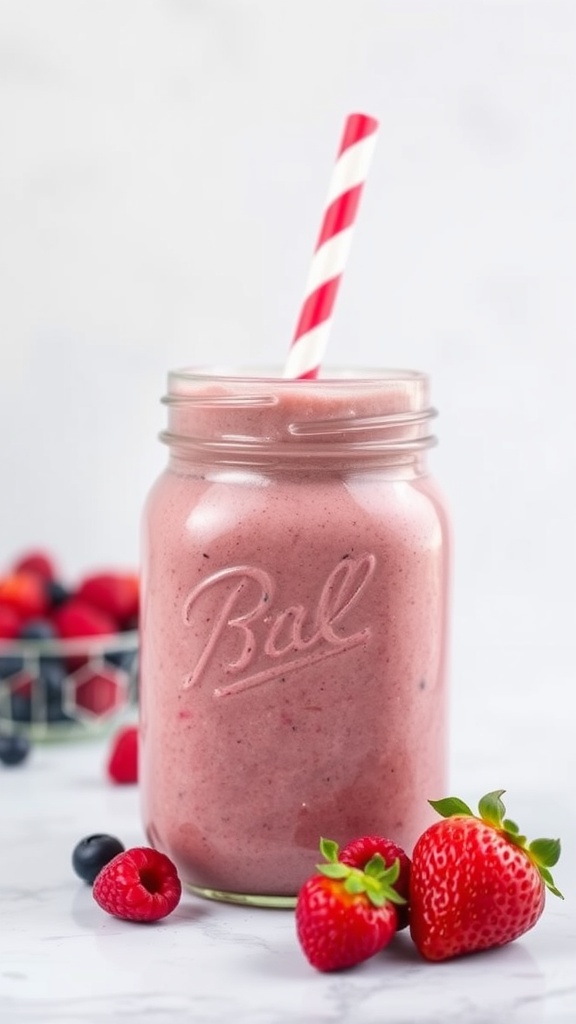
{"points": [[332, 248]]}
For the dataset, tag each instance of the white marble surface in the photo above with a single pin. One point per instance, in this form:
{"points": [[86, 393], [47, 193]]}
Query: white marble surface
{"points": [[63, 961]]}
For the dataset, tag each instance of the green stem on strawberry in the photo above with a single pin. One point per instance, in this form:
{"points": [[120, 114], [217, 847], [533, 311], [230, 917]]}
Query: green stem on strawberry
{"points": [[544, 853], [376, 880]]}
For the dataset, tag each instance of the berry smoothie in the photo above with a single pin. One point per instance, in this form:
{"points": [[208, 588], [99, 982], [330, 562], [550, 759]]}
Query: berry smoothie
{"points": [[294, 621]]}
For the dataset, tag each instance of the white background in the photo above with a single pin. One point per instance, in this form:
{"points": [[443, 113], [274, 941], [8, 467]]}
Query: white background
{"points": [[162, 173]]}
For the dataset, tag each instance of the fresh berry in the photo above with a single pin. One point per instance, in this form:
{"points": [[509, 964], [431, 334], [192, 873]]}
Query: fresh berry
{"points": [[92, 853], [115, 594], [57, 593], [21, 698], [475, 881], [345, 915], [14, 749], [10, 622], [78, 619], [37, 562], [122, 766], [139, 885], [121, 659], [52, 673], [10, 664], [25, 593], [52, 676], [359, 852], [37, 629]]}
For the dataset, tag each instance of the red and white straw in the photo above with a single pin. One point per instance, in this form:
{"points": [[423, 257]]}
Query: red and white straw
{"points": [[332, 248]]}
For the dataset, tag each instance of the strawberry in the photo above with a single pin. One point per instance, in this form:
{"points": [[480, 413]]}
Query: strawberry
{"points": [[345, 915], [140, 884], [116, 594], [10, 622], [360, 851], [78, 619], [476, 882], [122, 766], [25, 593], [37, 562]]}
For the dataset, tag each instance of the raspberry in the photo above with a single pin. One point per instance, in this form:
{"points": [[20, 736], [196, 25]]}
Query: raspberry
{"points": [[360, 851], [78, 619], [122, 764], [139, 885]]}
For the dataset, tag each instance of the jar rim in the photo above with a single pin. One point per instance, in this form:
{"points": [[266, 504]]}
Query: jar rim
{"points": [[332, 377], [357, 413]]}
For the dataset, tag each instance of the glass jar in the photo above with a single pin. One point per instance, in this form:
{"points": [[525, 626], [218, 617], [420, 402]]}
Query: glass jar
{"points": [[294, 626]]}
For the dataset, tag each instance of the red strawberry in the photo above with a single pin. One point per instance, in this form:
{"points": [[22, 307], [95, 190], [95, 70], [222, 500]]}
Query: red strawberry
{"points": [[122, 766], [115, 594], [140, 884], [78, 619], [344, 915], [25, 592], [360, 851], [476, 882], [37, 562], [10, 622]]}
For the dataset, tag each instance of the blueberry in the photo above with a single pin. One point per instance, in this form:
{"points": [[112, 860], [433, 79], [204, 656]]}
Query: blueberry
{"points": [[54, 713], [121, 659], [57, 593], [37, 629], [20, 708], [53, 672], [14, 749], [93, 853], [10, 665]]}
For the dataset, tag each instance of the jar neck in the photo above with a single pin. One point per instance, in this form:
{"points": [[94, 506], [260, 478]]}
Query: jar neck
{"points": [[332, 423]]}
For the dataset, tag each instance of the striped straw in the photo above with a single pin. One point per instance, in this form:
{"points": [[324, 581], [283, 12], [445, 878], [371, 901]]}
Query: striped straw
{"points": [[332, 248]]}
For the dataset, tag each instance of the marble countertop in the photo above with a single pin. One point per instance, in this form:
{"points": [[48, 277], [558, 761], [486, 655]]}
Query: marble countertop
{"points": [[62, 961]]}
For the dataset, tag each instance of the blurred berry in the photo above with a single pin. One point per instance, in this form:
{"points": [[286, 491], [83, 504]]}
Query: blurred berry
{"points": [[121, 659], [52, 675], [10, 665], [78, 619], [113, 593], [14, 749], [20, 708], [37, 629], [10, 622], [57, 593], [25, 593], [37, 562], [122, 765]]}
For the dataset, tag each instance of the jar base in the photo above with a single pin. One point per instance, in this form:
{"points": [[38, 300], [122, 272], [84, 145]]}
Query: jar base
{"points": [[243, 899]]}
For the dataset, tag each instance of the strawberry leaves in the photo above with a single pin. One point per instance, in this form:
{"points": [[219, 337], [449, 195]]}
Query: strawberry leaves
{"points": [[376, 880], [544, 853], [450, 806], [492, 809]]}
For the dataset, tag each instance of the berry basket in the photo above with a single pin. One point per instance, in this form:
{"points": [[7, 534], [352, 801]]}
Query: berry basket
{"points": [[53, 689]]}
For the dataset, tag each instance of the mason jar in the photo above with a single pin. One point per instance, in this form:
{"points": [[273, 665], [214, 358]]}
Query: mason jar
{"points": [[294, 625]]}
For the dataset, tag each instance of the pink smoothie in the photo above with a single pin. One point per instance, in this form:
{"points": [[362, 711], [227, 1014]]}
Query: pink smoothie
{"points": [[293, 629]]}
